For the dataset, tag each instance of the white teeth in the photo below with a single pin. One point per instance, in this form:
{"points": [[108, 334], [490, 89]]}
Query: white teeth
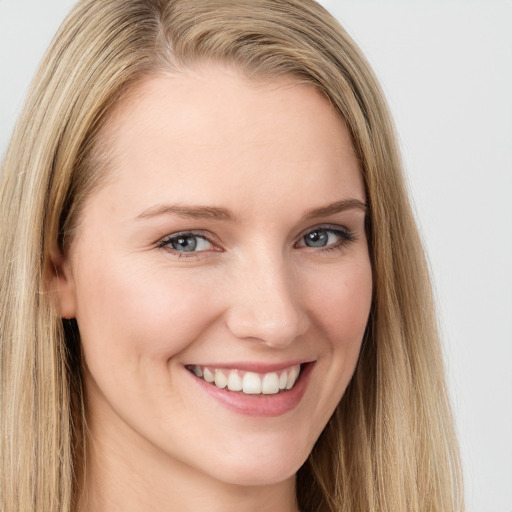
{"points": [[292, 376], [208, 375], [251, 384], [235, 382], [221, 380], [283, 380], [270, 384]]}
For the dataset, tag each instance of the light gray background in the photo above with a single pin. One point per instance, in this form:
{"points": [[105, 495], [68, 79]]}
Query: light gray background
{"points": [[446, 68]]}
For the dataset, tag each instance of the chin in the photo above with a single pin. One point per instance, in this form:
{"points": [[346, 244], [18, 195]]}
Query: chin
{"points": [[256, 474], [262, 465]]}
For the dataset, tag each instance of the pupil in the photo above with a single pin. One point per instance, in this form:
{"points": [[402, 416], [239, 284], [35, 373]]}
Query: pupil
{"points": [[316, 238], [185, 243]]}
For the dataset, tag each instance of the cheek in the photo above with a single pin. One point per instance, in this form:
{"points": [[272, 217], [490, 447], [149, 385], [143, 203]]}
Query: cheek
{"points": [[128, 313], [341, 304]]}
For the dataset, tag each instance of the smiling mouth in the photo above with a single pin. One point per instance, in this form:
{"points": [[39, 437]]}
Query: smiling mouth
{"points": [[246, 382]]}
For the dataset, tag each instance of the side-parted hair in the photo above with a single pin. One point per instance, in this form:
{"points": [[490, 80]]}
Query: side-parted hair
{"points": [[390, 445]]}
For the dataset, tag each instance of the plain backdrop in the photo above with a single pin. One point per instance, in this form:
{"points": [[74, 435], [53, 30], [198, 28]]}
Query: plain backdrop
{"points": [[446, 68]]}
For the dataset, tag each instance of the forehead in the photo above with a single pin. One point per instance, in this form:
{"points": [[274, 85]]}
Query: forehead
{"points": [[212, 130]]}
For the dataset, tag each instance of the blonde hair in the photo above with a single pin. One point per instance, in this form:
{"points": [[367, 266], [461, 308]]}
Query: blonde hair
{"points": [[390, 444]]}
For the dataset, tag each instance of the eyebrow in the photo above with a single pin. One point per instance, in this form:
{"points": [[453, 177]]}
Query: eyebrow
{"points": [[336, 207], [218, 213], [189, 212]]}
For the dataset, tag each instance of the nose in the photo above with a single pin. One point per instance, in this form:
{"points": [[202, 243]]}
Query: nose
{"points": [[266, 303]]}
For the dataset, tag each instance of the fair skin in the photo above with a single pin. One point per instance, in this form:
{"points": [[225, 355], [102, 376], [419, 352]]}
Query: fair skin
{"points": [[270, 271]]}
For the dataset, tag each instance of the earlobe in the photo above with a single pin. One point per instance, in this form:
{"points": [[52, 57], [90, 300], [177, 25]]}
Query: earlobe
{"points": [[61, 285]]}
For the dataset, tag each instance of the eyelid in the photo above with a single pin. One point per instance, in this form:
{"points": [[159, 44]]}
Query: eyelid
{"points": [[344, 233], [327, 227], [164, 242]]}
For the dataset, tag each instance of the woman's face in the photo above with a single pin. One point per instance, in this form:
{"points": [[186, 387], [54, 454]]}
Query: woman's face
{"points": [[228, 244]]}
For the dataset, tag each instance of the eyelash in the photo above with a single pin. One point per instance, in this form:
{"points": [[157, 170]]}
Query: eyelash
{"points": [[165, 243], [346, 237]]}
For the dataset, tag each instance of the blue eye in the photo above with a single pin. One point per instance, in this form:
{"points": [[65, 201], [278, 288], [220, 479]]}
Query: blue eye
{"points": [[326, 237], [186, 242]]}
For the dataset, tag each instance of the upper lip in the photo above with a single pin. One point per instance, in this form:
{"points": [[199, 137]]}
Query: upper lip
{"points": [[253, 366]]}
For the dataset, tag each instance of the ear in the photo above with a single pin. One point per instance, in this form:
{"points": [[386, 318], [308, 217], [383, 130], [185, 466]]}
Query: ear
{"points": [[61, 284]]}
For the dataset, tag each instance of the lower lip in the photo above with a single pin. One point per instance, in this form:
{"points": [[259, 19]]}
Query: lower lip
{"points": [[265, 406]]}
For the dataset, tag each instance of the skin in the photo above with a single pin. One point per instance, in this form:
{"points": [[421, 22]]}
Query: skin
{"points": [[268, 152]]}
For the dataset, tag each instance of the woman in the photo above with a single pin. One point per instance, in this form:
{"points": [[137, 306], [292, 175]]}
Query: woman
{"points": [[213, 292]]}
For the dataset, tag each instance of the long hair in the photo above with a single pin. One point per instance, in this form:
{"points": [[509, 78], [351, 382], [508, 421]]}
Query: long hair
{"points": [[390, 444]]}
